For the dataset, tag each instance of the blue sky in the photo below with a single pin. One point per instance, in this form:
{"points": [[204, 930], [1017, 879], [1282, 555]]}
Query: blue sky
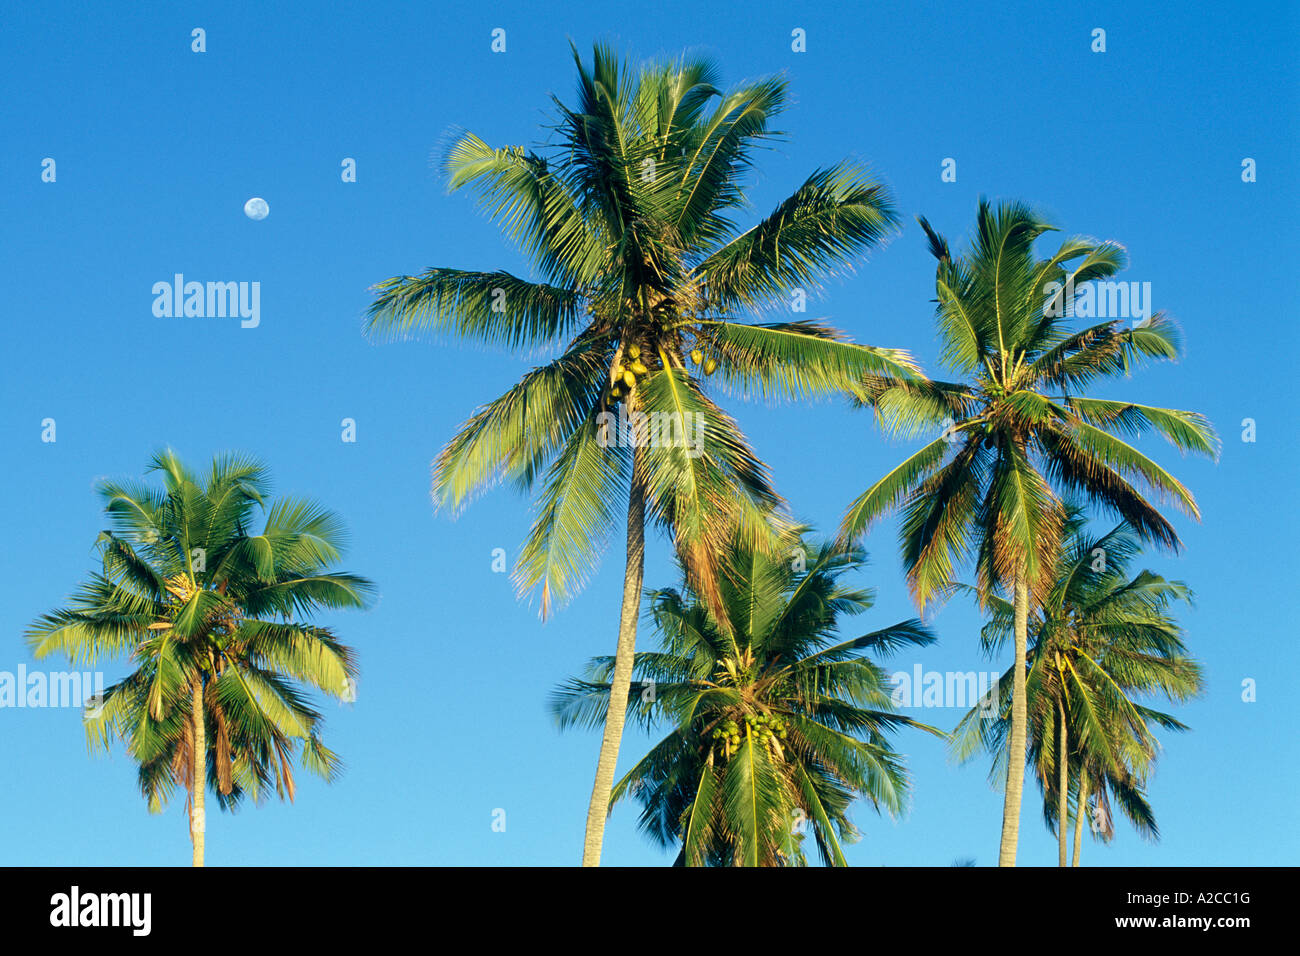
{"points": [[157, 148]]}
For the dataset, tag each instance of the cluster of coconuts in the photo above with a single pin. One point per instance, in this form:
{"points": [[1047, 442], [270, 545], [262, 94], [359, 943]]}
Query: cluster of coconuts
{"points": [[766, 729], [626, 374], [710, 363]]}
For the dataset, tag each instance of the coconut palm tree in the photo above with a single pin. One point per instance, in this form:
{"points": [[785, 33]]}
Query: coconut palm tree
{"points": [[777, 725], [211, 613], [1100, 642], [642, 275], [1018, 431]]}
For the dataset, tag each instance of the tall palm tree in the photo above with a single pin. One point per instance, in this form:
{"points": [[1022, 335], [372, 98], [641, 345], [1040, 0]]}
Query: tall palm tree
{"points": [[211, 614], [626, 216], [777, 726], [1018, 431], [1100, 642]]}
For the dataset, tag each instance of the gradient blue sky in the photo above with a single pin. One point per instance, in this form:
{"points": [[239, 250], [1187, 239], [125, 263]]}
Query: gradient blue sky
{"points": [[157, 150]]}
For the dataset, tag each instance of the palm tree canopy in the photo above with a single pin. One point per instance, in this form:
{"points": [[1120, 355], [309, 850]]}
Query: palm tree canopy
{"points": [[190, 592], [777, 720], [1103, 645], [1018, 430], [628, 215]]}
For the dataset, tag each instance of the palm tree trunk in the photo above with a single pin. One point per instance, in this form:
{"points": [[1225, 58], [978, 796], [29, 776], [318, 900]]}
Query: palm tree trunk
{"points": [[1063, 786], [198, 768], [1080, 812], [598, 810], [1016, 752]]}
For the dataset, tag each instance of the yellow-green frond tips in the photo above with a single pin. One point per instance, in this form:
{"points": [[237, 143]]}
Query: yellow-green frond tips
{"points": [[493, 307]]}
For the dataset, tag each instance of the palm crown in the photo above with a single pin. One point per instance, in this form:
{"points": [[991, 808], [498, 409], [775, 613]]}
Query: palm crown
{"points": [[627, 217], [984, 488], [775, 720], [210, 613]]}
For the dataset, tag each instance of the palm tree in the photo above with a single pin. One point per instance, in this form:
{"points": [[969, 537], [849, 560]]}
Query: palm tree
{"points": [[626, 216], [1099, 641], [775, 723], [211, 615], [1018, 431]]}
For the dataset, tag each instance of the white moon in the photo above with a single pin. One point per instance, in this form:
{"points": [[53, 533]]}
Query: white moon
{"points": [[256, 208]]}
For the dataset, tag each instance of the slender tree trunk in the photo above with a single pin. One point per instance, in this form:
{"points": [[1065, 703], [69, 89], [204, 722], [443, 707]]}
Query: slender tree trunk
{"points": [[1016, 745], [598, 811], [1063, 786], [1081, 810], [198, 822]]}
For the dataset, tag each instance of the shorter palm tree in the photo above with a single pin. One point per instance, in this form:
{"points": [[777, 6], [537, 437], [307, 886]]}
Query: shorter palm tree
{"points": [[1100, 642], [206, 610], [777, 727]]}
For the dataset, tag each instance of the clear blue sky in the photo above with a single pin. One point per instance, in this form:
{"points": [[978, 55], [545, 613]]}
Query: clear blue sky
{"points": [[157, 148]]}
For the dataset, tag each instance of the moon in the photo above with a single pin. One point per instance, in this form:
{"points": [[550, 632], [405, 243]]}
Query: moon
{"points": [[256, 208]]}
